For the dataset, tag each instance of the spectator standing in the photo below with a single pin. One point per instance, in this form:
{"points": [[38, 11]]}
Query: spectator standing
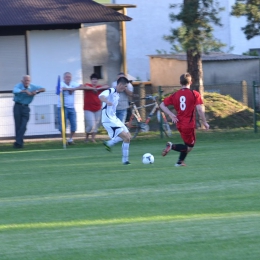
{"points": [[24, 93], [68, 86], [185, 101], [92, 106], [116, 129], [124, 98]]}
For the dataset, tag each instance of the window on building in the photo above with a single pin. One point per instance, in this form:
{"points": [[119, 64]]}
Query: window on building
{"points": [[98, 71], [12, 61]]}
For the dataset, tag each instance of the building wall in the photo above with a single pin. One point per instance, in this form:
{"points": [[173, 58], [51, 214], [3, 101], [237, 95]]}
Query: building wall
{"points": [[53, 52], [45, 64], [12, 61], [166, 72], [145, 33], [218, 72], [101, 46], [50, 53], [151, 22], [224, 77]]}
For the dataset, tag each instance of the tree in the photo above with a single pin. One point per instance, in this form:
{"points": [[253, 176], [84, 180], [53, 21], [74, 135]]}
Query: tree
{"points": [[251, 10], [195, 35]]}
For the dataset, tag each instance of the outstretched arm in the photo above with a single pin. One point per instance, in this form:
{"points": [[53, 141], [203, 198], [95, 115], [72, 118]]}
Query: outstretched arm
{"points": [[104, 99], [40, 90], [105, 86], [73, 89], [169, 112], [202, 116], [85, 87]]}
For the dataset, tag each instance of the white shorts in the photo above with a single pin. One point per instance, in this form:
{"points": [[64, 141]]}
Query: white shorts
{"points": [[115, 128]]}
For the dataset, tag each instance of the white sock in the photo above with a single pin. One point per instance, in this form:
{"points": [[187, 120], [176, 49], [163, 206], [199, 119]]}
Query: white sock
{"points": [[125, 152], [114, 141]]}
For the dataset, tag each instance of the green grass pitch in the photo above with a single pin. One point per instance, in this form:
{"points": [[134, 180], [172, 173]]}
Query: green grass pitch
{"points": [[82, 203]]}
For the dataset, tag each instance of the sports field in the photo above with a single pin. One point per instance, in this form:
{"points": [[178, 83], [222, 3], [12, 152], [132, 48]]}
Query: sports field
{"points": [[81, 203]]}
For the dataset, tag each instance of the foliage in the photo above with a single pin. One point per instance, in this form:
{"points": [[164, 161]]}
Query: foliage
{"points": [[251, 10], [195, 34], [251, 53], [222, 111], [196, 30]]}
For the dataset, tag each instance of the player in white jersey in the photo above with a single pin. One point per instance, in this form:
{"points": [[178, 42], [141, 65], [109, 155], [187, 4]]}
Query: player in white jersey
{"points": [[116, 130]]}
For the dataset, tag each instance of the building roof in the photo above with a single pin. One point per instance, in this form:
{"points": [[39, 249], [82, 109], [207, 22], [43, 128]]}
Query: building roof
{"points": [[207, 57], [53, 12]]}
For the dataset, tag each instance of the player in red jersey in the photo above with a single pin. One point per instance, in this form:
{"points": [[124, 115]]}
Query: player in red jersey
{"points": [[185, 101]]}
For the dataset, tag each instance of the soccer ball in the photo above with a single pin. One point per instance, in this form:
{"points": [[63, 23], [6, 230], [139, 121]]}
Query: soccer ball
{"points": [[148, 158]]}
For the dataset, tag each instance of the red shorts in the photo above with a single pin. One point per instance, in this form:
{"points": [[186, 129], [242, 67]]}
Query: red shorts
{"points": [[188, 136]]}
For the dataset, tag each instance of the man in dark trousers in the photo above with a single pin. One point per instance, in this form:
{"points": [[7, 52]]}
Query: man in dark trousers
{"points": [[24, 93]]}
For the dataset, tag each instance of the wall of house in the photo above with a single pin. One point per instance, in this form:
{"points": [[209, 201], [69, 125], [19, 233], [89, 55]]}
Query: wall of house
{"points": [[151, 22], [166, 72], [53, 52], [101, 46], [50, 54], [62, 54], [12, 61], [218, 72], [145, 33]]}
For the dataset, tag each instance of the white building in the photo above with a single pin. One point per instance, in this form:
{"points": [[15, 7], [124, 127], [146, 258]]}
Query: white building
{"points": [[50, 38], [151, 22]]}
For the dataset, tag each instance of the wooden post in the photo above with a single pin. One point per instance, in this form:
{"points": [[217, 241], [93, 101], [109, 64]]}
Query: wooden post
{"points": [[244, 93], [161, 119], [124, 43], [142, 101], [254, 106]]}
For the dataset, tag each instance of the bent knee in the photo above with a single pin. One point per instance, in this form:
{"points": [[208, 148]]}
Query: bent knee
{"points": [[126, 137], [189, 149]]}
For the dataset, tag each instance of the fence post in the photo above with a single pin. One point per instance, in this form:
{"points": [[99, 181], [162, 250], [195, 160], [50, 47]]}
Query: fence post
{"points": [[254, 106], [160, 91], [142, 101], [244, 93]]}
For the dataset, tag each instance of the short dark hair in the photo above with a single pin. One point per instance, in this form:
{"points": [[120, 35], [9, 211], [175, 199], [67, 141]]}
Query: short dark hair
{"points": [[67, 73], [94, 76], [185, 79], [122, 80]]}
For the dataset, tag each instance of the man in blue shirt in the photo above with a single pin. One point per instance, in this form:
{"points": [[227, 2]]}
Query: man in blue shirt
{"points": [[24, 93], [68, 87]]}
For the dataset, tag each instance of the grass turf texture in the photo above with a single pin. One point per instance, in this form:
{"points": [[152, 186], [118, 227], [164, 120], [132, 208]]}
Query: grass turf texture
{"points": [[81, 203]]}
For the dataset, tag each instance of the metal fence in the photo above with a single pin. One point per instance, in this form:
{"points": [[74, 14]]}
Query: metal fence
{"points": [[43, 116]]}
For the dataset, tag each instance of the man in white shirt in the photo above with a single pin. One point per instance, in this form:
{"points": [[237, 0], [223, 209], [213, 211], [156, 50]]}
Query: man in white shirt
{"points": [[116, 129], [123, 103], [67, 86]]}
